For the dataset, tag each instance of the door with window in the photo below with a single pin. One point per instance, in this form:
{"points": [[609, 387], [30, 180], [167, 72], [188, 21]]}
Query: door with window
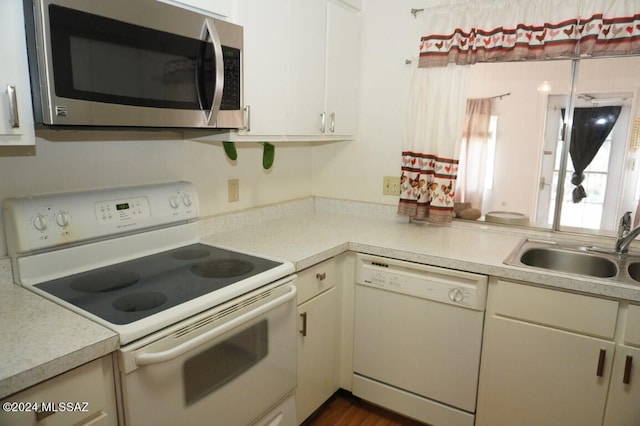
{"points": [[604, 176]]}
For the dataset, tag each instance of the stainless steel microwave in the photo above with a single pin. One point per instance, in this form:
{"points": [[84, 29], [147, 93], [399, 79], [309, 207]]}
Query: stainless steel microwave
{"points": [[133, 63]]}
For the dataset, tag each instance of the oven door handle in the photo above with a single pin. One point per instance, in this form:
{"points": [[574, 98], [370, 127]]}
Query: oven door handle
{"points": [[183, 348]]}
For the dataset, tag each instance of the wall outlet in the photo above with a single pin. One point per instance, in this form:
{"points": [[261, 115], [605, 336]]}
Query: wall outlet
{"points": [[234, 190], [391, 185]]}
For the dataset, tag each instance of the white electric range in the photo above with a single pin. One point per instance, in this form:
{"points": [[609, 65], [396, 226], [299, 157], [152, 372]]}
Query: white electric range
{"points": [[219, 323]]}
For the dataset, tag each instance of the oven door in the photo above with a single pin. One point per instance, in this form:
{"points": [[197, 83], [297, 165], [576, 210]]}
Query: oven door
{"points": [[132, 63], [226, 366]]}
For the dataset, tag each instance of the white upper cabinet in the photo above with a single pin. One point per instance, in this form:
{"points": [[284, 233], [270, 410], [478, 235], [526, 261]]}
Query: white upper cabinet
{"points": [[221, 8], [325, 58], [342, 70], [265, 65], [301, 70], [16, 114], [307, 45]]}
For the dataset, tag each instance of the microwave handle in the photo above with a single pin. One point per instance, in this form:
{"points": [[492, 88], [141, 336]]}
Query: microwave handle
{"points": [[209, 29], [183, 348]]}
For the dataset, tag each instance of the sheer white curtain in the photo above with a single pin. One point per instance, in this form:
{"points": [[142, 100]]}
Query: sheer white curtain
{"points": [[474, 151], [431, 143], [464, 32]]}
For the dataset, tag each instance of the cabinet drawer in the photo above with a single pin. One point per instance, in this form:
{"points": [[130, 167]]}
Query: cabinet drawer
{"points": [[632, 329], [316, 279], [572, 312], [81, 390]]}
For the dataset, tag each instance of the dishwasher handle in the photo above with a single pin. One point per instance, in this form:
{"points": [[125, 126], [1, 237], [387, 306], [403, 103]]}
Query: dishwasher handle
{"points": [[183, 348]]}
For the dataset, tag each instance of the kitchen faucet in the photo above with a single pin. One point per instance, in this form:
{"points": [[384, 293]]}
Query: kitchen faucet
{"points": [[625, 234]]}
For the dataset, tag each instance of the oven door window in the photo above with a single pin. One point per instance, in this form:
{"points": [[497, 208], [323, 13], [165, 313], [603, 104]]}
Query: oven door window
{"points": [[210, 370], [104, 60]]}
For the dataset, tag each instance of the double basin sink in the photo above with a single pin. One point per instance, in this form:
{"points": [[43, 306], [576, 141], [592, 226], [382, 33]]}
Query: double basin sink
{"points": [[577, 259]]}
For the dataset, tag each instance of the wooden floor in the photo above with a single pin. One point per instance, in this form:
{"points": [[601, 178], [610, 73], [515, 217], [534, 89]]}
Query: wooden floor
{"points": [[344, 409]]}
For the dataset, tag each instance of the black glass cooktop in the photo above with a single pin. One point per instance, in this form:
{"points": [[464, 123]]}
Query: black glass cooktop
{"points": [[126, 292]]}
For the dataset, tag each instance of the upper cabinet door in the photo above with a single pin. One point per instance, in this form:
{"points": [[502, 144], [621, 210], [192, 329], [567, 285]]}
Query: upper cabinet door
{"points": [[307, 43], [342, 70], [266, 62], [301, 70], [16, 114]]}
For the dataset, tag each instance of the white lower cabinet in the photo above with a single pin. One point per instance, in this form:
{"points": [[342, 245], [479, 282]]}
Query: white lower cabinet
{"points": [[623, 403], [81, 397], [318, 337], [549, 358]]}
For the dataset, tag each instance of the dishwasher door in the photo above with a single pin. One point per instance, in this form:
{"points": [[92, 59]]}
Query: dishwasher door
{"points": [[418, 331]]}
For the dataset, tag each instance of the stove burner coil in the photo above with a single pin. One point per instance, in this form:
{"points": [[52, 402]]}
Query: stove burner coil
{"points": [[102, 282], [222, 268], [142, 301]]}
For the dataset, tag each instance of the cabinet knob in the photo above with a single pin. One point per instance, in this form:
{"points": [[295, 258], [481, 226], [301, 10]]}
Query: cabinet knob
{"points": [[320, 276]]}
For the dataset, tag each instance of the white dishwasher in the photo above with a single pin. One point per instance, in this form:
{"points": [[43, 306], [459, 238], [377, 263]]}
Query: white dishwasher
{"points": [[418, 337]]}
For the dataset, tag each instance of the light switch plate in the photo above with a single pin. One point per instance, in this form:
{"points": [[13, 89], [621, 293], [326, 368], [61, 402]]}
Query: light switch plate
{"points": [[391, 185]]}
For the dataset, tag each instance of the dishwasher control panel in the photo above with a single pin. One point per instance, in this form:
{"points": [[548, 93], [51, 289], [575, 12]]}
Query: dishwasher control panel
{"points": [[449, 286]]}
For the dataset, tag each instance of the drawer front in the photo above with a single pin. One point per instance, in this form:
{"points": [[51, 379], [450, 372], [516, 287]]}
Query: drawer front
{"points": [[632, 329], [315, 280], [557, 309], [76, 397]]}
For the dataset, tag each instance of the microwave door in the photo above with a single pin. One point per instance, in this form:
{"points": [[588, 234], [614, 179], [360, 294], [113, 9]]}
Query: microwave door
{"points": [[210, 92]]}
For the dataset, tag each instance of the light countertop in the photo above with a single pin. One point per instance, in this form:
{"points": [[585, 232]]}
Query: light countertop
{"points": [[41, 339], [308, 239]]}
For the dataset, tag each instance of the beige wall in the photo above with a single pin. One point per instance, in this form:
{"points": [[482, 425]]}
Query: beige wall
{"points": [[70, 166], [354, 170]]}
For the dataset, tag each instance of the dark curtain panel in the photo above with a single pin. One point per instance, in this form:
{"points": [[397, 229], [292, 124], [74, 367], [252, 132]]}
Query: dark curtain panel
{"points": [[591, 126]]}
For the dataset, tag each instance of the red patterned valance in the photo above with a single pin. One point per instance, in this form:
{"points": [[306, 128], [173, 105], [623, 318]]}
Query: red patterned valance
{"points": [[596, 35]]}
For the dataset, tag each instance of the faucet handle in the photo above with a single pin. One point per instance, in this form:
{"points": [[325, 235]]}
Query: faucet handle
{"points": [[625, 223]]}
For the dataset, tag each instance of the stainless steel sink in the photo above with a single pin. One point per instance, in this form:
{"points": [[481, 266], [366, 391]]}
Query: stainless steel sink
{"points": [[576, 259], [572, 262], [633, 270]]}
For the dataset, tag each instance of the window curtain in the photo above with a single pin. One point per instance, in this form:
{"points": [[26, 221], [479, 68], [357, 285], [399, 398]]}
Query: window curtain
{"points": [[473, 155], [468, 31], [591, 126], [464, 32], [431, 143]]}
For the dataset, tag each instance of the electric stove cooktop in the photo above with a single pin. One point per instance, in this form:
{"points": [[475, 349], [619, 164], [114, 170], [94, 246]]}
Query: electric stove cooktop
{"points": [[126, 292]]}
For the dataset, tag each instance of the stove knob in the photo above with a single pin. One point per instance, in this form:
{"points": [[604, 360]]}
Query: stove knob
{"points": [[455, 295], [62, 219], [187, 200], [174, 202], [40, 222]]}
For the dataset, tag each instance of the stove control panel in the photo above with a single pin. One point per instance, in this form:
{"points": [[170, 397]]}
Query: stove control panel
{"points": [[123, 210], [45, 221]]}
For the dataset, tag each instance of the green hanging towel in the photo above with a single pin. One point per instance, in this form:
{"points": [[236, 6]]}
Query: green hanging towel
{"points": [[230, 150], [268, 154]]}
